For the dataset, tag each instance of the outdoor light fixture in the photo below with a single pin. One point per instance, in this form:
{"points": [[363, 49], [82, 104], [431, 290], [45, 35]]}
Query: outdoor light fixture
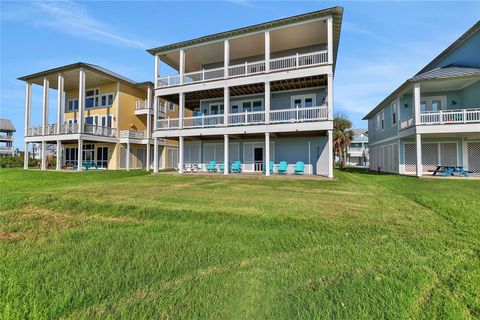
{"points": [[454, 102], [406, 105]]}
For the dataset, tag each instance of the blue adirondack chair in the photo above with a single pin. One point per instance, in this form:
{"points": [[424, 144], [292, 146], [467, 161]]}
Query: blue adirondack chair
{"points": [[236, 167], [222, 168], [271, 167], [282, 168], [299, 167], [212, 167]]}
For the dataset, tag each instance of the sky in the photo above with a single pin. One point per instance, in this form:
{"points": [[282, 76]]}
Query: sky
{"points": [[381, 44]]}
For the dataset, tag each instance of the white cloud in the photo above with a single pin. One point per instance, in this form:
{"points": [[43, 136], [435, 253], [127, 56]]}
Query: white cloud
{"points": [[71, 18]]}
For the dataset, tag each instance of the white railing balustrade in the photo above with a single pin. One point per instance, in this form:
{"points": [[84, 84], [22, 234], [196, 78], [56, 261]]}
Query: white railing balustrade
{"points": [[299, 114], [203, 121], [407, 123], [169, 123], [34, 131], [68, 128], [51, 129], [99, 130], [142, 104], [248, 68], [450, 116], [132, 134]]}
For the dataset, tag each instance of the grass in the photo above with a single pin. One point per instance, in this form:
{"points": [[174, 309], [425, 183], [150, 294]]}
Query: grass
{"points": [[132, 245]]}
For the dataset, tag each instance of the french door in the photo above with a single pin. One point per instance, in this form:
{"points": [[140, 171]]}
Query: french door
{"points": [[102, 157]]}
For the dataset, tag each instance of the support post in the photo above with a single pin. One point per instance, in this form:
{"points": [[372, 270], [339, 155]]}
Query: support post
{"points": [[155, 155], [182, 66], [43, 164], [330, 153], [128, 156], [267, 102], [148, 157], [59, 156], [117, 111], [157, 69], [28, 105], [80, 155], [181, 109], [180, 154], [60, 87], [397, 105], [226, 57], [225, 154], [149, 108], [267, 154], [267, 51], [330, 40], [418, 141], [155, 113], [81, 100], [416, 102], [226, 104], [330, 96], [25, 157], [46, 85]]}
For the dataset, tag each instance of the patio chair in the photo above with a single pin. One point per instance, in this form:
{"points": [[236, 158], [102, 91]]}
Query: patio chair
{"points": [[222, 168], [212, 167], [188, 168], [271, 167], [236, 167], [195, 168], [299, 168], [282, 168]]}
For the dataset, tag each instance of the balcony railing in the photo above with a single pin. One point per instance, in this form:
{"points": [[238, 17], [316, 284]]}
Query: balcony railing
{"points": [[6, 137], [248, 68], [133, 134], [457, 116], [142, 105], [70, 128], [291, 115]]}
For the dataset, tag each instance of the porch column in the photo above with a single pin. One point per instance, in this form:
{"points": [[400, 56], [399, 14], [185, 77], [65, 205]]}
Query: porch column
{"points": [[60, 86], [267, 102], [155, 155], [330, 153], [267, 153], [418, 140], [128, 156], [180, 154], [397, 104], [46, 85], [81, 99], [416, 102], [155, 113], [182, 65], [43, 154], [59, 155], [28, 105], [181, 109], [226, 104], [330, 40], [80, 155], [330, 96], [25, 157], [225, 154], [117, 111], [226, 57], [148, 156], [267, 51], [157, 69], [149, 119]]}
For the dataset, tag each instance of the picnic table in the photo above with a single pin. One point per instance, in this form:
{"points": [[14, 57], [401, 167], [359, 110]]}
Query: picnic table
{"points": [[450, 170]]}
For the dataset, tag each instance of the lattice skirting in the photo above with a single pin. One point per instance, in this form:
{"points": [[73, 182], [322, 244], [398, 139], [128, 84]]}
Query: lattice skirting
{"points": [[473, 156], [433, 154]]}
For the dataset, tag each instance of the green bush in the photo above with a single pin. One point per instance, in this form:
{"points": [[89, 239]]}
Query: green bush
{"points": [[16, 161]]}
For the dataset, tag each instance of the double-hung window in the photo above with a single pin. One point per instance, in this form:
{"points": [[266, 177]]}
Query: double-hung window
{"points": [[394, 113], [72, 105], [91, 98], [106, 99], [380, 121], [303, 101]]}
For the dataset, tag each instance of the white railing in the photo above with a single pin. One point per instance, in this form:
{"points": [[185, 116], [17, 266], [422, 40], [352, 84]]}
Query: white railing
{"points": [[450, 116], [248, 118], [69, 128], [141, 105], [248, 68], [5, 137], [4, 148], [34, 131], [99, 130], [407, 123], [132, 134]]}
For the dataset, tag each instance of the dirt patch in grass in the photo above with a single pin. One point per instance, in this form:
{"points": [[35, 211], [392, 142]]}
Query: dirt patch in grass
{"points": [[10, 236]]}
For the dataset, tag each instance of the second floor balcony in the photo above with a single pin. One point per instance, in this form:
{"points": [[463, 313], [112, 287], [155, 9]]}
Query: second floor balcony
{"points": [[71, 128], [443, 117]]}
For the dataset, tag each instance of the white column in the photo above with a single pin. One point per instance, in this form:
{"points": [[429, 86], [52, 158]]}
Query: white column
{"points": [[59, 155], [267, 51], [416, 102], [330, 39], [267, 153], [25, 157], [60, 86], [330, 96], [226, 57], [182, 65], [81, 99], [398, 113], [180, 154], [43, 164], [330, 153], [117, 111], [28, 105], [267, 102], [80, 155], [226, 104], [148, 157], [155, 113], [225, 154], [181, 109], [46, 85], [149, 119], [128, 156], [157, 69], [155, 155], [418, 141]]}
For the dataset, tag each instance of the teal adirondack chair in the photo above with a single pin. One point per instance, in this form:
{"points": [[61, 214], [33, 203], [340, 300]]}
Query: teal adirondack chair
{"points": [[299, 167], [282, 168], [222, 168], [212, 167], [271, 167], [236, 167]]}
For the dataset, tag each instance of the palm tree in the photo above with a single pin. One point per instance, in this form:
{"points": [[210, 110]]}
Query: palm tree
{"points": [[342, 135]]}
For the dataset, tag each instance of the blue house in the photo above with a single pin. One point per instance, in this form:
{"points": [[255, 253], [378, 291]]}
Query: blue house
{"points": [[433, 118]]}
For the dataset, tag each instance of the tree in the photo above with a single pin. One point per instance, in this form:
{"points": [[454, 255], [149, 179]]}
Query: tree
{"points": [[342, 135]]}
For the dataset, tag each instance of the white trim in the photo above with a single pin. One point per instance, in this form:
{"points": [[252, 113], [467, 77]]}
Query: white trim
{"points": [[428, 99]]}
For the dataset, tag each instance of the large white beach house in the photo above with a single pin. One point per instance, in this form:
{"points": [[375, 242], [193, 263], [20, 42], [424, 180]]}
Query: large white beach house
{"points": [[258, 95]]}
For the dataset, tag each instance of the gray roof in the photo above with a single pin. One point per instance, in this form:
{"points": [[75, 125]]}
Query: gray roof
{"points": [[357, 135], [446, 72], [6, 125]]}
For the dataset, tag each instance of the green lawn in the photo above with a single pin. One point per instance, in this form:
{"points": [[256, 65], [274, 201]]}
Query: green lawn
{"points": [[132, 245]]}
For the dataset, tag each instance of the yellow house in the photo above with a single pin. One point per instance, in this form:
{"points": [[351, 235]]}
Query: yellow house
{"points": [[103, 120]]}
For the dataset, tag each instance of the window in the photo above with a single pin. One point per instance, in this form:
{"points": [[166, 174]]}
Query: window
{"points": [[247, 106], [171, 106], [257, 105], [303, 101], [380, 122], [216, 109], [382, 117], [91, 98], [432, 104], [106, 99], [107, 121], [394, 113], [235, 108], [73, 105]]}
